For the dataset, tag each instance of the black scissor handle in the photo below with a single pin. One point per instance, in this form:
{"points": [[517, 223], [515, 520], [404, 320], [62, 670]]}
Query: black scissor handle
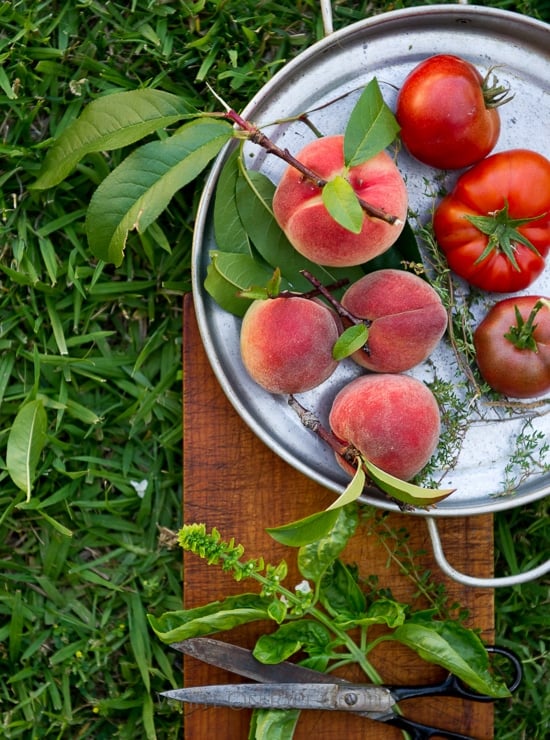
{"points": [[453, 686], [418, 731]]}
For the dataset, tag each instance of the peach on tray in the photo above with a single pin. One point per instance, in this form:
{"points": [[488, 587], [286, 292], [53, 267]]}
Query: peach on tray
{"points": [[300, 212], [286, 343], [405, 315], [393, 420]]}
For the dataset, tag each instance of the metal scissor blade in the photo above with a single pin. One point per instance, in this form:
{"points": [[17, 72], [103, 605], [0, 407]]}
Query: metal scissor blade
{"points": [[242, 662], [326, 696]]}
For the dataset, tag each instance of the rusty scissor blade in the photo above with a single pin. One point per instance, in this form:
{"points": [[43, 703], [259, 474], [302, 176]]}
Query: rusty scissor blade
{"points": [[325, 696], [242, 662]]}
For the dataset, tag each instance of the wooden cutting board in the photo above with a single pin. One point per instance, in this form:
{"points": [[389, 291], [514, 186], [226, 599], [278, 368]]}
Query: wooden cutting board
{"points": [[233, 482]]}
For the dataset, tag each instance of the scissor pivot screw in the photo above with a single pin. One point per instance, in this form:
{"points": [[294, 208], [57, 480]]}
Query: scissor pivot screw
{"points": [[350, 699]]}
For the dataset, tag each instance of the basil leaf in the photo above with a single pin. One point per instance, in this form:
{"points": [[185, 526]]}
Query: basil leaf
{"points": [[217, 616], [273, 724], [289, 638], [340, 593], [455, 648], [316, 557], [382, 611]]}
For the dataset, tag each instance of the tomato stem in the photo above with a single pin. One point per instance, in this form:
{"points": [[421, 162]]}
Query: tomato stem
{"points": [[522, 334], [494, 94], [503, 234]]}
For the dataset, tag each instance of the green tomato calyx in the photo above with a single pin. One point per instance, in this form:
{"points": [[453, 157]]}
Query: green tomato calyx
{"points": [[503, 234], [522, 333], [494, 94]]}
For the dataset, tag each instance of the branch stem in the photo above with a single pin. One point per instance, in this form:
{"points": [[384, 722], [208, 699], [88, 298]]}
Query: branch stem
{"points": [[340, 310], [258, 137]]}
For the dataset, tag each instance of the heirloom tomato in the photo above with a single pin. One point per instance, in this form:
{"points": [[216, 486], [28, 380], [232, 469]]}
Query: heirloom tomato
{"points": [[494, 226], [512, 346], [448, 112]]}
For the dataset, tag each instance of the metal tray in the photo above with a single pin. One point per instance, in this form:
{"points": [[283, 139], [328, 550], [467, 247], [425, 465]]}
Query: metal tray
{"points": [[327, 79]]}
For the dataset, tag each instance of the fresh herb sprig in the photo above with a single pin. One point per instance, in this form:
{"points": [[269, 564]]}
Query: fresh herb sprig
{"points": [[327, 616]]}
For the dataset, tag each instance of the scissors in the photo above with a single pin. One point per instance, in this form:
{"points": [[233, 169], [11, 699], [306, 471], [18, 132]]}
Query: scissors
{"points": [[290, 686]]}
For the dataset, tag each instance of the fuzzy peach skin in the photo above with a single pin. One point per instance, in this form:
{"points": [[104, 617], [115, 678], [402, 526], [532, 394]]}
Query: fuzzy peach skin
{"points": [[286, 343], [392, 419], [300, 212], [407, 315]]}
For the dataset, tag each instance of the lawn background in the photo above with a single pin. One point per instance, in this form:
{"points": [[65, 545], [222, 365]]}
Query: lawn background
{"points": [[83, 561]]}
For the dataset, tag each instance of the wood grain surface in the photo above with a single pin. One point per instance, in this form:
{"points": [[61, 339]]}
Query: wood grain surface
{"points": [[232, 481]]}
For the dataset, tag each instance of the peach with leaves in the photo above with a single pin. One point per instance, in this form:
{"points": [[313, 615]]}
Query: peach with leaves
{"points": [[373, 193], [404, 316]]}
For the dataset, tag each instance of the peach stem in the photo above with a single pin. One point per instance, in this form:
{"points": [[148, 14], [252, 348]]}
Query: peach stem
{"points": [[325, 292], [310, 421], [257, 137]]}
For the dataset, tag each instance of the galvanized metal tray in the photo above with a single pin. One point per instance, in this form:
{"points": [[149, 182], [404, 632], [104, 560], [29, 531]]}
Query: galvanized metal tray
{"points": [[326, 81]]}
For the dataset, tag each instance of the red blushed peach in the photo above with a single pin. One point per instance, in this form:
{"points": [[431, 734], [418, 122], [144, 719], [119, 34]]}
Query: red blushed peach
{"points": [[393, 420], [407, 319], [300, 212], [286, 343]]}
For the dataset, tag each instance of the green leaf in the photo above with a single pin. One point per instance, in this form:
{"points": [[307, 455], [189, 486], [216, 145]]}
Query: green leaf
{"points": [[230, 276], [408, 493], [289, 638], [455, 648], [254, 198], [277, 611], [306, 530], [141, 646], [217, 616], [273, 724], [317, 556], [270, 290], [26, 441], [224, 292], [341, 202], [108, 123], [353, 490], [349, 341], [141, 187], [316, 526], [340, 593], [371, 126], [229, 232], [382, 611]]}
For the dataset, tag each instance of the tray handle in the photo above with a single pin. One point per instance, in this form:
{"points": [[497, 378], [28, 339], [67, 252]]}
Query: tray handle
{"points": [[326, 14], [447, 568]]}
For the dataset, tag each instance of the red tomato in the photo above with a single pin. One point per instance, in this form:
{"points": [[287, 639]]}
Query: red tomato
{"points": [[448, 112], [494, 227], [512, 346]]}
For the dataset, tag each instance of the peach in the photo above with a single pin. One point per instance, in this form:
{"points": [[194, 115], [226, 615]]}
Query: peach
{"points": [[406, 316], [300, 212], [393, 420], [286, 343]]}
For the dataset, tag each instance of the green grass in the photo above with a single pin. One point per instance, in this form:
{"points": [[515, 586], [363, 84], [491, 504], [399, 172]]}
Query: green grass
{"points": [[81, 562]]}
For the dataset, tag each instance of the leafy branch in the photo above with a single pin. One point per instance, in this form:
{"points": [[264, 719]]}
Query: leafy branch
{"points": [[141, 187]]}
